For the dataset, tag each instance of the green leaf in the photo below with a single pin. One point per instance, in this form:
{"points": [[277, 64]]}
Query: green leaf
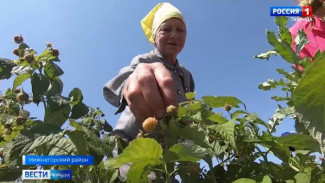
{"points": [[40, 84], [56, 87], [309, 98], [6, 66], [218, 118], [78, 139], [278, 116], [75, 96], [266, 55], [281, 21], [48, 56], [215, 102], [245, 180], [136, 173], [194, 133], [286, 74], [79, 110], [144, 150], [302, 178], [299, 141], [20, 79], [269, 84], [57, 115], [282, 48], [266, 179], [52, 70], [301, 40], [190, 95], [184, 152], [227, 131], [283, 32]]}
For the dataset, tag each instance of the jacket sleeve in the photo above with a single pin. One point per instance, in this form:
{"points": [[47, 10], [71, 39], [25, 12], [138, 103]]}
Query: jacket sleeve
{"points": [[113, 89]]}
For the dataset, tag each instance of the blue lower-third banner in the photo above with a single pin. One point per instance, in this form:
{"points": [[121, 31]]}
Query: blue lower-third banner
{"points": [[47, 174], [58, 160]]}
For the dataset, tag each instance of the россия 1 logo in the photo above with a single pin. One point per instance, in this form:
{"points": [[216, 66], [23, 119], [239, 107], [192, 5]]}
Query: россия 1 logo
{"points": [[302, 11]]}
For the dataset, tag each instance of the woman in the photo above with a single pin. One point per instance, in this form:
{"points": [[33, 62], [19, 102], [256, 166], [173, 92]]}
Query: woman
{"points": [[153, 80], [315, 29]]}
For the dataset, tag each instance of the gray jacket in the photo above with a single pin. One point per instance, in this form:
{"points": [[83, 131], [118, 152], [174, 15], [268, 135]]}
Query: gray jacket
{"points": [[127, 126]]}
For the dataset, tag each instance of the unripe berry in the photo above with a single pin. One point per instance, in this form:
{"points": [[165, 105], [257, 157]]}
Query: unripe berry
{"points": [[227, 107], [16, 52], [18, 39], [150, 124], [171, 111], [29, 57]]}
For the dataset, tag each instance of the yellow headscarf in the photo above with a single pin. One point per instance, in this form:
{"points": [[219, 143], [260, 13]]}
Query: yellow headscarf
{"points": [[160, 13]]}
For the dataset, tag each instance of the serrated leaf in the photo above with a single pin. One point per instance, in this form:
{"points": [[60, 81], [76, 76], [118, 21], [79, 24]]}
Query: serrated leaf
{"points": [[145, 150], [281, 21], [283, 32], [56, 87], [6, 66], [57, 115], [301, 40], [20, 79], [184, 152], [190, 95], [79, 110], [136, 173], [52, 70], [286, 74], [78, 139], [309, 98], [266, 55], [278, 116], [75, 96], [282, 48], [269, 84], [245, 180], [218, 118], [299, 141], [227, 131], [40, 84], [194, 133], [302, 177], [221, 101]]}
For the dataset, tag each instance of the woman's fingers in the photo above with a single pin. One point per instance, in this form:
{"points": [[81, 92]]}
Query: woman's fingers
{"points": [[149, 89], [166, 84]]}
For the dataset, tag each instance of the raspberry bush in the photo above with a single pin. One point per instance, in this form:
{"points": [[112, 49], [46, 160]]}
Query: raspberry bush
{"points": [[212, 139]]}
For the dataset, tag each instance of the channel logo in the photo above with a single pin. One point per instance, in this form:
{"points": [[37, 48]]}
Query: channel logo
{"points": [[47, 174], [302, 11]]}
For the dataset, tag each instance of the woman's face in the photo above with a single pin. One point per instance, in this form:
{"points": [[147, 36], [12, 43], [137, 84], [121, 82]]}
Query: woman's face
{"points": [[170, 37]]}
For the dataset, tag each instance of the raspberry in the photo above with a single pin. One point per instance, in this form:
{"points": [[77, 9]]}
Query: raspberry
{"points": [[18, 39], [227, 107], [194, 170], [22, 97], [171, 111], [48, 44], [29, 57], [16, 52], [55, 52], [150, 124], [20, 120]]}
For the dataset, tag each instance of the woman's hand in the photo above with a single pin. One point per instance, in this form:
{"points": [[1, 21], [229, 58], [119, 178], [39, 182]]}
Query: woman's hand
{"points": [[149, 89]]}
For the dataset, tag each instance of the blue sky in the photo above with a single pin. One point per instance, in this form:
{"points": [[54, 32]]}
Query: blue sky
{"points": [[97, 38]]}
